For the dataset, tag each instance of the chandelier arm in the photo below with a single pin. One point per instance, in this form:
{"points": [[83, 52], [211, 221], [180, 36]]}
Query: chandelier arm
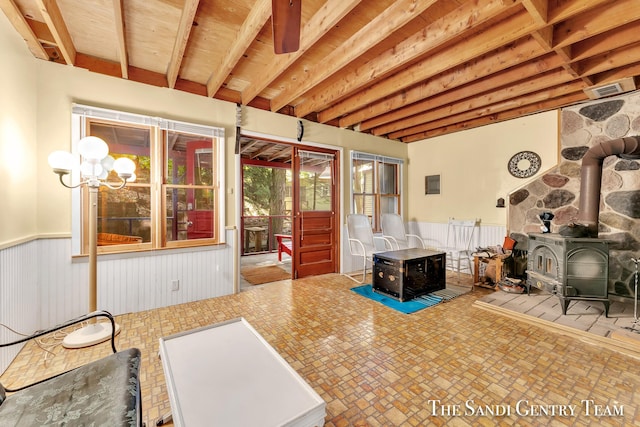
{"points": [[112, 187], [60, 175]]}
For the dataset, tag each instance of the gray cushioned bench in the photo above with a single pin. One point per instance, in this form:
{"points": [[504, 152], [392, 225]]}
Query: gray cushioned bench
{"points": [[105, 392]]}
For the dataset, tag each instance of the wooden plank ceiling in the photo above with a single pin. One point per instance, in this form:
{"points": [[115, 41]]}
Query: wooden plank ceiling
{"points": [[401, 69]]}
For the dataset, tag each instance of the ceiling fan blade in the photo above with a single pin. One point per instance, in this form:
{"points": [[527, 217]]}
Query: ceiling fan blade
{"points": [[285, 16]]}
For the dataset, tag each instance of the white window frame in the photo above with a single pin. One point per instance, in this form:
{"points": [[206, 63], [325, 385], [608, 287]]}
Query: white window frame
{"points": [[359, 155]]}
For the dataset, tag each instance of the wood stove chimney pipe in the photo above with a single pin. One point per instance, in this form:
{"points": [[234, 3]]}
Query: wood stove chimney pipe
{"points": [[591, 177]]}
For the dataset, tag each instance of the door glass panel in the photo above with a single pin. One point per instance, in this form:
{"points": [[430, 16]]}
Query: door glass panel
{"points": [[316, 173], [189, 213]]}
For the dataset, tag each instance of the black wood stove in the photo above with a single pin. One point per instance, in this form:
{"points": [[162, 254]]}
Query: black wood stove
{"points": [[572, 268]]}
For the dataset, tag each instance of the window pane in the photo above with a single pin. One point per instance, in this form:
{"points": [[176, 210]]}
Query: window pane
{"points": [[124, 214], [315, 184], [190, 159], [363, 176], [189, 213], [363, 204], [126, 141], [387, 177], [389, 205]]}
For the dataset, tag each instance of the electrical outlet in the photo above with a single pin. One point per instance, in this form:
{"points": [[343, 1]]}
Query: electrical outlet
{"points": [[175, 285]]}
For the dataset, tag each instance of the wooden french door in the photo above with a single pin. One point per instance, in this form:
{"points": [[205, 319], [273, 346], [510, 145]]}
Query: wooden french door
{"points": [[315, 213]]}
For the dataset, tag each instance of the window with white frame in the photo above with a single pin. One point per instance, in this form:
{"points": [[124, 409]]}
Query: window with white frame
{"points": [[376, 185], [176, 199]]}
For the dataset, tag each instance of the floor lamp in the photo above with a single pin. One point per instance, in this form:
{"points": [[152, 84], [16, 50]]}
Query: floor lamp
{"points": [[94, 171]]}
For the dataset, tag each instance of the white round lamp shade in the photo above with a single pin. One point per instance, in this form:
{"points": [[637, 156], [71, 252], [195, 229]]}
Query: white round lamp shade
{"points": [[107, 163], [91, 169], [61, 160], [93, 148], [124, 166]]}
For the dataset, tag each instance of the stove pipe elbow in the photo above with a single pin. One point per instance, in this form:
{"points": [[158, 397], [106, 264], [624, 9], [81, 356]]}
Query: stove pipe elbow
{"points": [[591, 177]]}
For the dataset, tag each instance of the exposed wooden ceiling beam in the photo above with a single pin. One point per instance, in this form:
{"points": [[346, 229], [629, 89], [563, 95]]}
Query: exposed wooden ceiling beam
{"points": [[617, 74], [486, 65], [374, 92], [458, 102], [606, 17], [326, 18], [545, 105], [22, 27], [182, 38], [538, 9], [492, 38], [406, 69], [256, 19], [507, 78], [613, 59], [118, 14], [618, 37], [486, 110], [396, 15], [53, 18]]}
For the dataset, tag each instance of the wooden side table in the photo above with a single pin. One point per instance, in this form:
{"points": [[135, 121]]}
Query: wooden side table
{"points": [[497, 260]]}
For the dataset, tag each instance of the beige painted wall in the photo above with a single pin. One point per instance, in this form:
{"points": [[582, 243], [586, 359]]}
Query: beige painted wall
{"points": [[18, 102], [59, 87], [473, 168]]}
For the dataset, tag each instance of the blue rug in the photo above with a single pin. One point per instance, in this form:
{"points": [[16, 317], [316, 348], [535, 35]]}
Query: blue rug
{"points": [[406, 307]]}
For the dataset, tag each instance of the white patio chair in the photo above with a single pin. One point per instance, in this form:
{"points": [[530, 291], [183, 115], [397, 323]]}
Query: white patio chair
{"points": [[459, 243], [393, 230], [362, 240]]}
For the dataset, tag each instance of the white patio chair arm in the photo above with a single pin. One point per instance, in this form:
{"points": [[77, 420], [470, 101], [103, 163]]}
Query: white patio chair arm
{"points": [[391, 241], [418, 238], [364, 252], [387, 242]]}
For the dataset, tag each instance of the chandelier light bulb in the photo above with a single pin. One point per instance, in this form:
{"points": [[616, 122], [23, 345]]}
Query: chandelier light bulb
{"points": [[91, 169], [107, 163], [61, 161], [93, 148], [124, 167]]}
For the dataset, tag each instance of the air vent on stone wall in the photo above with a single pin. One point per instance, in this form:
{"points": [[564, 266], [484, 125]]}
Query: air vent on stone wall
{"points": [[613, 88]]}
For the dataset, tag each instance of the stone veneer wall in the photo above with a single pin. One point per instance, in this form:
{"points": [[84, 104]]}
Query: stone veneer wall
{"points": [[558, 190]]}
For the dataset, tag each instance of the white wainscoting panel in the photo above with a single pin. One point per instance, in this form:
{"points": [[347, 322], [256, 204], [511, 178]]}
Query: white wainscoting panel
{"points": [[42, 285], [19, 308], [434, 235]]}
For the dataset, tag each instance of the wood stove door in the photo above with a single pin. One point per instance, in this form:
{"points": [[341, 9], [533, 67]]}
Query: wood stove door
{"points": [[545, 262], [587, 273]]}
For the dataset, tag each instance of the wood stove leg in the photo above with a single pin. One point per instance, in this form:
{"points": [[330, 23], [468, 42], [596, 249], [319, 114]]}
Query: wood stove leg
{"points": [[565, 305], [606, 308]]}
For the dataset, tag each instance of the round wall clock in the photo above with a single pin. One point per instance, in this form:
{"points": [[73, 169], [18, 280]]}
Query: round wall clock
{"points": [[524, 164]]}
